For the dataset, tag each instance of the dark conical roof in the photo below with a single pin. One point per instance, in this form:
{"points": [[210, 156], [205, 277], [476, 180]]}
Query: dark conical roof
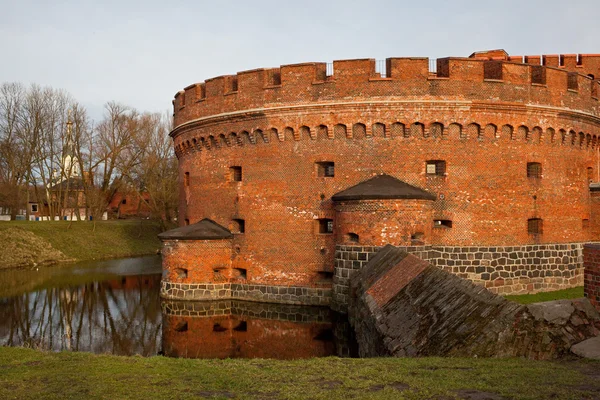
{"points": [[383, 187], [204, 230]]}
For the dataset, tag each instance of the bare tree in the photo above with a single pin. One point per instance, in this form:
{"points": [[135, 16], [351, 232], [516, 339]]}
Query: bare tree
{"points": [[155, 176], [15, 152]]}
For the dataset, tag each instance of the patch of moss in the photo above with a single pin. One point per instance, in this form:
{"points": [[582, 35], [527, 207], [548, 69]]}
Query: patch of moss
{"points": [[573, 293]]}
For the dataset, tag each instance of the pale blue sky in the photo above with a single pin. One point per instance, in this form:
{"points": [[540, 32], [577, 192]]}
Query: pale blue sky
{"points": [[141, 53]]}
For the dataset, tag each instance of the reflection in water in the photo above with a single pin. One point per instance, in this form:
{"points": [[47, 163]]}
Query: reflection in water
{"points": [[114, 307], [238, 329], [116, 314]]}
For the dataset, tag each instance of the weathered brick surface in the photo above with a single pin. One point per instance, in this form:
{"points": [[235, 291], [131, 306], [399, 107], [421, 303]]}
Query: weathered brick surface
{"points": [[205, 261], [276, 124], [401, 307], [231, 328], [591, 260], [381, 222]]}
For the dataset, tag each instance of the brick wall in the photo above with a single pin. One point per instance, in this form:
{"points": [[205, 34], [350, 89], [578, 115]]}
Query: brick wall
{"points": [[591, 259], [197, 261], [381, 222]]}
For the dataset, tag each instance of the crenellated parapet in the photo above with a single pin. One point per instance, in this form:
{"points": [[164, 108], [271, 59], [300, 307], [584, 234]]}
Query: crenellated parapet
{"points": [[411, 79]]}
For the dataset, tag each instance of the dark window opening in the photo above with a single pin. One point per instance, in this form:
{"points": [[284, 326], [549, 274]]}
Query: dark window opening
{"points": [[585, 223], [181, 273], [236, 173], [442, 223], [240, 273], [538, 74], [325, 276], [325, 335], [572, 81], [325, 225], [352, 237], [239, 226], [492, 70], [534, 226], [34, 208], [217, 327], [187, 222], [417, 238], [435, 167], [124, 201], [326, 169], [534, 170], [561, 60], [181, 327], [241, 327], [186, 179], [218, 274]]}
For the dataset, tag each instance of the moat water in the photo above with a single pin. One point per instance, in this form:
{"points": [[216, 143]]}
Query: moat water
{"points": [[114, 307]]}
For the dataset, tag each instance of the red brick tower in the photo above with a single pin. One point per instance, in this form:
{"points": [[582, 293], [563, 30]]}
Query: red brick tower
{"points": [[504, 146]]}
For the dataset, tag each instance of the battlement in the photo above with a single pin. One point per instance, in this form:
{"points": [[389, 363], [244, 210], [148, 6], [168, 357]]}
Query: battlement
{"points": [[507, 79]]}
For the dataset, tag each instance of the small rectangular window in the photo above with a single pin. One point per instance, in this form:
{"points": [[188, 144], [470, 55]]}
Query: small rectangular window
{"points": [[239, 226], [436, 167], [492, 70], [326, 169], [538, 74], [572, 83], [34, 208], [187, 222], [325, 225], [442, 223], [534, 170], [186, 179], [236, 173], [534, 226], [585, 224]]}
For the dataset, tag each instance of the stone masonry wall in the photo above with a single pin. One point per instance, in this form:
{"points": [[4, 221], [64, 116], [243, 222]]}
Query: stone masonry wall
{"points": [[251, 292], [591, 261], [503, 270]]}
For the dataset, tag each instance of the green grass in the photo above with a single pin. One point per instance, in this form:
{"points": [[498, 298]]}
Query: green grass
{"points": [[573, 293], [109, 239], [30, 374]]}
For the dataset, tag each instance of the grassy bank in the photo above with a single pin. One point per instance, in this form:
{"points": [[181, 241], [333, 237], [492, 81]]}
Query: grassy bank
{"points": [[78, 240], [32, 374], [573, 293]]}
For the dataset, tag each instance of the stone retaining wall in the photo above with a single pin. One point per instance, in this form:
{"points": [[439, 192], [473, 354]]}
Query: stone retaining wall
{"points": [[239, 291], [279, 312], [591, 259], [501, 269]]}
